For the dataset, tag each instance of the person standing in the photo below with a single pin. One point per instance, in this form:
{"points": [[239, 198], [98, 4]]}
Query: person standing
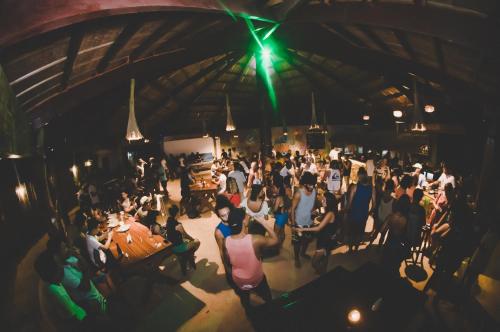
{"points": [[303, 204], [239, 176], [221, 181], [333, 178], [360, 196], [163, 175], [243, 252], [347, 165], [326, 233]]}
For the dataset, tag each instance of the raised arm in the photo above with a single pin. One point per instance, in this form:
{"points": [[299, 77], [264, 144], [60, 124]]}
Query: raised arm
{"points": [[265, 241]]}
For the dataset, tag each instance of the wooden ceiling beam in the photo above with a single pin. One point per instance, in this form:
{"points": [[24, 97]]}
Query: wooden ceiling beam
{"points": [[343, 34], [128, 31], [375, 38], [166, 26], [73, 48], [464, 27], [403, 40], [169, 95], [438, 49], [181, 107]]}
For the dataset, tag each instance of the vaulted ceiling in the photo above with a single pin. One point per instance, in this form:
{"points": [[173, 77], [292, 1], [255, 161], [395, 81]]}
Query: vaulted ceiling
{"points": [[71, 62]]}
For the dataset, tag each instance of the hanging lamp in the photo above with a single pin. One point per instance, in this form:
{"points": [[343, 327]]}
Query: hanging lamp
{"points": [[133, 132], [314, 121], [418, 122], [229, 124]]}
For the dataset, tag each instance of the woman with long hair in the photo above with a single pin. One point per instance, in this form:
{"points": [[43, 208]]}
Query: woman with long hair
{"points": [[326, 233], [281, 204]]}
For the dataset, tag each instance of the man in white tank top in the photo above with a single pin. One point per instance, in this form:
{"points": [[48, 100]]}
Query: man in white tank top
{"points": [[304, 201]]}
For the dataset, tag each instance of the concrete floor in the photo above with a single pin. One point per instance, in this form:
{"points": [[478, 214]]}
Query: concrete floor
{"points": [[223, 311]]}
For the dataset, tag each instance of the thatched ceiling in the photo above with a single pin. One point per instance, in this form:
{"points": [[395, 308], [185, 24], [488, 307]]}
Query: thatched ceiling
{"points": [[72, 62]]}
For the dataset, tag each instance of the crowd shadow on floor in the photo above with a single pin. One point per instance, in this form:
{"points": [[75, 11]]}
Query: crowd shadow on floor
{"points": [[205, 277]]}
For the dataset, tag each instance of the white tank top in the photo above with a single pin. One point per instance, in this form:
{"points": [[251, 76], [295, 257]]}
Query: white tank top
{"points": [[333, 180]]}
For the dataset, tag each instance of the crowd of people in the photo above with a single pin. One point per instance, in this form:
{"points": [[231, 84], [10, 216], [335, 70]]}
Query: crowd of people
{"points": [[320, 197]]}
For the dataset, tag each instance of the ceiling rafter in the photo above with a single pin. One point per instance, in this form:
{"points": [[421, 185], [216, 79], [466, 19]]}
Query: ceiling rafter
{"points": [[74, 46], [344, 34], [314, 82], [165, 27], [160, 104], [181, 106], [197, 26], [345, 85], [128, 31], [375, 38], [403, 40], [438, 49]]}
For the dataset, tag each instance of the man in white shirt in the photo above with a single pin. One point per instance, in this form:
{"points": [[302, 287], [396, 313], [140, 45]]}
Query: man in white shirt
{"points": [[221, 182], [309, 167], [445, 178], [94, 244], [239, 177], [334, 154]]}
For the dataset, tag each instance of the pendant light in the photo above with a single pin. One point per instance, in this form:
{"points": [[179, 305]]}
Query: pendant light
{"points": [[230, 124], [133, 132], [418, 122], [314, 121], [325, 127]]}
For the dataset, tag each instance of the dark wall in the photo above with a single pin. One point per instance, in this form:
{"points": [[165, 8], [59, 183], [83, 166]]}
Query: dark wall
{"points": [[21, 224]]}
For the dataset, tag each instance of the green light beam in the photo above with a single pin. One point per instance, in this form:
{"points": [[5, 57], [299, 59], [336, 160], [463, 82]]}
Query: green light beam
{"points": [[271, 31], [252, 31]]}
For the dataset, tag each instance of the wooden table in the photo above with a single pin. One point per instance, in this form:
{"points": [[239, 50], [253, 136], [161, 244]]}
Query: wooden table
{"points": [[143, 248], [199, 190], [204, 193]]}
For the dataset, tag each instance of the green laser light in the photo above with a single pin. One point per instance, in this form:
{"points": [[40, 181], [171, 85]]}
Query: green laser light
{"points": [[266, 55]]}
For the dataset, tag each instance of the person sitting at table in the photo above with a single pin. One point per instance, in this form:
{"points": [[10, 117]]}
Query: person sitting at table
{"points": [[441, 204], [184, 246], [97, 250], [146, 215], [444, 179], [76, 278], [56, 305], [126, 204], [213, 169]]}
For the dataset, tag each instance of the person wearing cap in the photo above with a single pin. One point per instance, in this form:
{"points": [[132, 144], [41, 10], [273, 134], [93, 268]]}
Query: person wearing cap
{"points": [[145, 214], [418, 173], [243, 252]]}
